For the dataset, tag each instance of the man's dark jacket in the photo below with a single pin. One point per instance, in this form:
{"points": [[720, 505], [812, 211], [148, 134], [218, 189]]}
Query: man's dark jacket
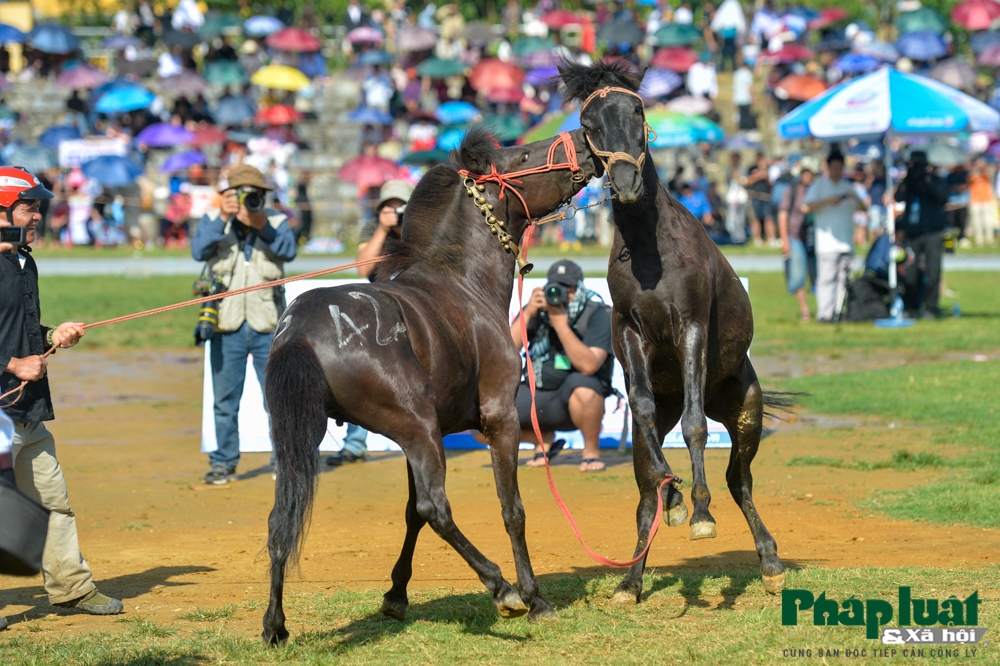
{"points": [[933, 195], [22, 335]]}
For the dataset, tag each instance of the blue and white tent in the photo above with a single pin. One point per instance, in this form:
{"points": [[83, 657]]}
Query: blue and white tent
{"points": [[888, 101]]}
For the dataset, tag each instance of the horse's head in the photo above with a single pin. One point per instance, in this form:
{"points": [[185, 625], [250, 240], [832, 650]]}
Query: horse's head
{"points": [[614, 120]]}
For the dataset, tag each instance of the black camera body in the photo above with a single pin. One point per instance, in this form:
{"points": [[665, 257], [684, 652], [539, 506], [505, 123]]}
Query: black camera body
{"points": [[253, 201], [208, 315], [16, 236], [556, 294]]}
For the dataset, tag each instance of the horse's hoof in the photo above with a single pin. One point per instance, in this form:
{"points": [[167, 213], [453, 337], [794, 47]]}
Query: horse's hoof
{"points": [[676, 515], [394, 609], [702, 530], [541, 611], [510, 605], [275, 639], [625, 597], [774, 584]]}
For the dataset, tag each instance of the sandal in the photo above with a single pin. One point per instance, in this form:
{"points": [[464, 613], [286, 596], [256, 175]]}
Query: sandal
{"points": [[592, 465], [539, 459]]}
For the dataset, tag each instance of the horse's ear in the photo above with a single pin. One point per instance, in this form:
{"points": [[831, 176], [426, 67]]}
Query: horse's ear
{"points": [[476, 153]]}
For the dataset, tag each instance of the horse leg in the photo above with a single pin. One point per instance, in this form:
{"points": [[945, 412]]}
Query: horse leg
{"points": [[740, 409], [695, 428], [504, 441], [274, 619], [395, 601]]}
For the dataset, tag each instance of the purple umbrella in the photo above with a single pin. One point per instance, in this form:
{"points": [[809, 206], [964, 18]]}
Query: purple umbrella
{"points": [[922, 45], [659, 82], [186, 83], [161, 135], [182, 161], [538, 59], [121, 42], [541, 76], [82, 77]]}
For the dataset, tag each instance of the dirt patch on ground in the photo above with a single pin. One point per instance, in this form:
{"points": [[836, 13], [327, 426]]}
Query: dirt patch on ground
{"points": [[128, 433]]}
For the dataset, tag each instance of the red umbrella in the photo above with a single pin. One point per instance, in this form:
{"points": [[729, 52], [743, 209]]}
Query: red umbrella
{"points": [[675, 58], [491, 73], [82, 77], [975, 14], [369, 171], [293, 39], [990, 57], [790, 52], [827, 17], [279, 114], [208, 135], [505, 95], [800, 87], [558, 19]]}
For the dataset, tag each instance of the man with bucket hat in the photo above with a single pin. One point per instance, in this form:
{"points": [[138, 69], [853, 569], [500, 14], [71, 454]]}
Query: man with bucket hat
{"points": [[245, 244], [23, 340], [919, 231]]}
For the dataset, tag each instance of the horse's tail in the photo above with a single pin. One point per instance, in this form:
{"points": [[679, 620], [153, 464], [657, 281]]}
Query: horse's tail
{"points": [[780, 401], [296, 390]]}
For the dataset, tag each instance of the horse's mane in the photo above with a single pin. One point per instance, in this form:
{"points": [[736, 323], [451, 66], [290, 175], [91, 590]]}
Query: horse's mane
{"points": [[424, 223], [581, 80]]}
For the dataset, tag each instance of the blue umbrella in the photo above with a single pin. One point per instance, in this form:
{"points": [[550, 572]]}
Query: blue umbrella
{"points": [[233, 110], [374, 58], [115, 84], [740, 142], [53, 136], [450, 139], [112, 171], [456, 112], [313, 64], [122, 100], [162, 135], [9, 34], [262, 26], [984, 40], [883, 51], [53, 38], [659, 82], [922, 45], [869, 150], [368, 116], [541, 76], [36, 159], [182, 161], [121, 42], [856, 63]]}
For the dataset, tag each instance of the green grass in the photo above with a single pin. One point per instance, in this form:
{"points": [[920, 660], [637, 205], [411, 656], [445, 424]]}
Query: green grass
{"points": [[226, 612], [704, 616], [901, 460]]}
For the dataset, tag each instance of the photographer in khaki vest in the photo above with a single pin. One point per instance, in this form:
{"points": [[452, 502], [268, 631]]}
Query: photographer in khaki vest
{"points": [[245, 244]]}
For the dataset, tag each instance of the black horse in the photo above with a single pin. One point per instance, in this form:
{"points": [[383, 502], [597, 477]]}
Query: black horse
{"points": [[423, 355], [682, 324]]}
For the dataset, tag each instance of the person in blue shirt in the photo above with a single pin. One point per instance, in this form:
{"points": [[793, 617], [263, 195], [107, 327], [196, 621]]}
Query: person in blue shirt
{"points": [[697, 203]]}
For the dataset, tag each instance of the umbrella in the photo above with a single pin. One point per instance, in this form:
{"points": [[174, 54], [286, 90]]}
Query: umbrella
{"points": [[114, 84], [526, 45], [121, 42], [945, 155], [53, 136], [369, 171], [800, 87], [112, 171], [261, 26], [975, 14], [505, 95], [279, 77], [414, 38], [479, 32], [922, 45], [450, 138], [242, 136], [8, 118], [888, 100], [551, 126], [36, 159], [82, 77], [676, 129], [492, 73], [538, 59], [366, 35], [954, 73], [739, 142], [729, 16], [883, 51], [182, 161], [207, 136], [186, 83], [659, 82], [922, 19], [225, 72], [10, 35], [279, 114], [369, 116], [827, 17], [216, 25], [163, 135], [541, 76], [233, 110], [674, 58], [293, 39], [505, 127], [677, 34], [690, 105], [141, 67], [456, 112], [788, 53], [374, 58], [621, 31], [122, 100], [558, 19], [434, 156], [869, 150], [983, 40], [990, 57], [855, 63], [181, 38], [53, 38], [439, 68]]}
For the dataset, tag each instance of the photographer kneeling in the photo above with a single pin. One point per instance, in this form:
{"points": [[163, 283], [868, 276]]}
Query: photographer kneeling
{"points": [[569, 339]]}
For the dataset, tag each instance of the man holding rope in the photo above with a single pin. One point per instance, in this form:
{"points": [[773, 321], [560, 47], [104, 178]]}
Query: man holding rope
{"points": [[23, 342]]}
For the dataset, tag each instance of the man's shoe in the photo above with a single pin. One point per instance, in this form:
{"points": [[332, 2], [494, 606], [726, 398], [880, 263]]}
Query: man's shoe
{"points": [[344, 456], [94, 603], [219, 475]]}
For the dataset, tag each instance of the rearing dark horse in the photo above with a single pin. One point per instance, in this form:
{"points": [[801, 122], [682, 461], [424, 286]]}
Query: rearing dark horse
{"points": [[682, 324], [421, 356]]}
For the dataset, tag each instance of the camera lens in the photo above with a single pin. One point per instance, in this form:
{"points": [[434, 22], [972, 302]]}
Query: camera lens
{"points": [[254, 201], [555, 294]]}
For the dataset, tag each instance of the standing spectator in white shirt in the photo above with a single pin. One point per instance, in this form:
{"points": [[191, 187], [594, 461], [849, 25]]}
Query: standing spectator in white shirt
{"points": [[743, 96], [701, 79], [684, 15]]}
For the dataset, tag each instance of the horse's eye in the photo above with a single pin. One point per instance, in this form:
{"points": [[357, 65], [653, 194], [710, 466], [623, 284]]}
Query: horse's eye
{"points": [[524, 158], [638, 110]]}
